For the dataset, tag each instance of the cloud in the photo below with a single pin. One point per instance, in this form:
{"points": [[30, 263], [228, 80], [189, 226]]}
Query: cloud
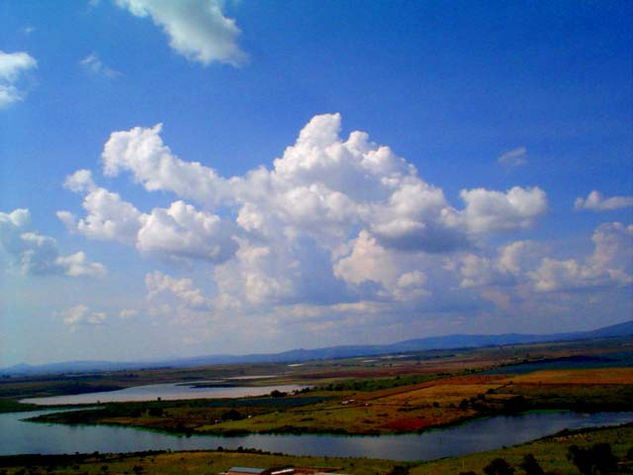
{"points": [[13, 68], [334, 234], [334, 220], [77, 265], [530, 265], [197, 29], [80, 181], [513, 158], [327, 187], [596, 201], [490, 211], [80, 315], [141, 151], [508, 267], [181, 230], [108, 218], [93, 64], [369, 262], [128, 313], [611, 263], [158, 283], [36, 254]]}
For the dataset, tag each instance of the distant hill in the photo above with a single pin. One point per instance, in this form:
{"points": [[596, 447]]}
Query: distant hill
{"points": [[349, 351]]}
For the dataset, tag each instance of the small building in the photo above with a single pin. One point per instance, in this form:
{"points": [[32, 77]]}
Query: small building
{"points": [[260, 471], [245, 471]]}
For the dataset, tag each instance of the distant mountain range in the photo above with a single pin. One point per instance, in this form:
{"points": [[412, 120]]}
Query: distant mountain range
{"points": [[300, 355]]}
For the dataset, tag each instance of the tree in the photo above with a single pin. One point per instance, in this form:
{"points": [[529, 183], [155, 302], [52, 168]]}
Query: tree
{"points": [[581, 458], [603, 459], [595, 459], [232, 415], [498, 467], [531, 466]]}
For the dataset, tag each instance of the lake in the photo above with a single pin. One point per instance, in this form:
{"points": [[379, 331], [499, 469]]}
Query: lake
{"points": [[166, 392], [21, 437]]}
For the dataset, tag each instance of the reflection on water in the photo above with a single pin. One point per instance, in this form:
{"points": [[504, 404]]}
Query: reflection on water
{"points": [[166, 392], [20, 437]]}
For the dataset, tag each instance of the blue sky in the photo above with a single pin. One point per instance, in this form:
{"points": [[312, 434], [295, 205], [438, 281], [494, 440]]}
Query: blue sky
{"points": [[491, 188]]}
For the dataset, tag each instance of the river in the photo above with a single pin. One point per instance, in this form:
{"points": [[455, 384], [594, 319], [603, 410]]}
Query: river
{"points": [[165, 392], [20, 437]]}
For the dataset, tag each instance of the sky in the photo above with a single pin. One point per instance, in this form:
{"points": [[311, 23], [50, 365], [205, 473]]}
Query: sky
{"points": [[207, 176]]}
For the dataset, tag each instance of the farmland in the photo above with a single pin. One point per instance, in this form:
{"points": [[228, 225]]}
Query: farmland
{"points": [[393, 394], [384, 395]]}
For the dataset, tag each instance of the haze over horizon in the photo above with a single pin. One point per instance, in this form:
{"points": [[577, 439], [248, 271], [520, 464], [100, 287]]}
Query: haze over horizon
{"points": [[207, 177]]}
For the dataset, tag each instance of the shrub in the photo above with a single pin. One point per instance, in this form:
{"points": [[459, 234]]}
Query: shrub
{"points": [[595, 459], [498, 467], [232, 415], [531, 466]]}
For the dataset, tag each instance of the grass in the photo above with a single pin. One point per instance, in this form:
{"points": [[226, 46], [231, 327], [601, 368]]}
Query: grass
{"points": [[11, 405], [550, 452], [379, 396], [398, 409], [188, 462], [354, 396]]}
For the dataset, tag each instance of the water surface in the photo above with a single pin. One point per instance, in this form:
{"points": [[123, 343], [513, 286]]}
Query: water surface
{"points": [[20, 437], [166, 392]]}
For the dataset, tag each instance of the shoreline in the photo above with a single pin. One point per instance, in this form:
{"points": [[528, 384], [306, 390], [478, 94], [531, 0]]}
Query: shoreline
{"points": [[549, 450]]}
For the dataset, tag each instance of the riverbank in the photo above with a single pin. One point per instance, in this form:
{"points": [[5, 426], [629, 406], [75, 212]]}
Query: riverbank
{"points": [[549, 452], [410, 408]]}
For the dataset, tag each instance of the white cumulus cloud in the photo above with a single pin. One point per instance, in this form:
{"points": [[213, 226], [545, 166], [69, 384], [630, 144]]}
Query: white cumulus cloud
{"points": [[36, 254], [610, 264], [142, 151], [596, 201], [489, 211], [181, 230], [108, 216], [80, 315], [334, 219], [183, 289], [197, 29], [13, 68]]}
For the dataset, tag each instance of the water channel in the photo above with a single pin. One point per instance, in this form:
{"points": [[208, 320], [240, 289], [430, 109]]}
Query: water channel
{"points": [[21, 437]]}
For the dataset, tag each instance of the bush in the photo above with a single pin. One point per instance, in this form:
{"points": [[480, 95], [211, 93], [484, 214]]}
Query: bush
{"points": [[498, 467], [531, 466], [595, 459], [231, 415], [399, 470]]}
